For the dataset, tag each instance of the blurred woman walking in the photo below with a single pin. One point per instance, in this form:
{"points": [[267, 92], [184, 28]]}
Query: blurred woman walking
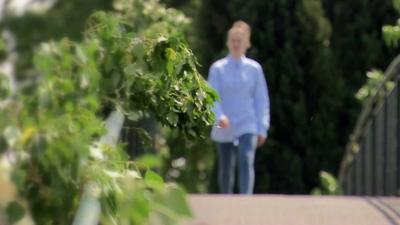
{"points": [[242, 115]]}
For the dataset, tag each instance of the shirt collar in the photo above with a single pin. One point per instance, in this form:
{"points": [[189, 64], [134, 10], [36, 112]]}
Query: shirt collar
{"points": [[233, 60]]}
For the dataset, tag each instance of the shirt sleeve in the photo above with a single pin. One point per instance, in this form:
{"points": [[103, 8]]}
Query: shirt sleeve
{"points": [[262, 103], [214, 83]]}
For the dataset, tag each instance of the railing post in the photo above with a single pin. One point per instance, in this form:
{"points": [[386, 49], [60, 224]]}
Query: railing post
{"points": [[358, 171], [385, 140], [391, 144], [363, 155], [353, 179], [348, 183], [89, 210], [379, 144], [398, 136], [368, 151]]}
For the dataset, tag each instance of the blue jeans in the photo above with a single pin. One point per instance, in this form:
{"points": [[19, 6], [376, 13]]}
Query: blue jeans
{"points": [[229, 154]]}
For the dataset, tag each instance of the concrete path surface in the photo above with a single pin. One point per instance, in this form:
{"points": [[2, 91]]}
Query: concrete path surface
{"points": [[293, 210]]}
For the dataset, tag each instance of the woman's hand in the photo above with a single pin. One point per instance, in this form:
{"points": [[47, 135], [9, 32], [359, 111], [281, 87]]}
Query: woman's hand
{"points": [[223, 122], [261, 140]]}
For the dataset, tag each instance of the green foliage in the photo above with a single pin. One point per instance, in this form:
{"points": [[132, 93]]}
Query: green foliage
{"points": [[3, 49], [159, 68], [134, 61], [64, 19], [370, 88], [154, 180], [396, 4], [328, 185], [392, 32], [188, 162], [14, 212], [5, 89]]}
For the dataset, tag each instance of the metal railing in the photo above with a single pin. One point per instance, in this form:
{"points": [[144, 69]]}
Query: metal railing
{"points": [[89, 211], [371, 165]]}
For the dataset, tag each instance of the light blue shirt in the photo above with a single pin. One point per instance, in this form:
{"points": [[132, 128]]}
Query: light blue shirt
{"points": [[243, 90]]}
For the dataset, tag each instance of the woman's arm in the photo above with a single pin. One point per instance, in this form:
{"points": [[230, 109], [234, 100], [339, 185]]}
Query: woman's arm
{"points": [[262, 104], [214, 83]]}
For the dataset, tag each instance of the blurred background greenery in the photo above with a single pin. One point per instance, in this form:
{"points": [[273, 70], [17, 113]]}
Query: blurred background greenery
{"points": [[315, 54]]}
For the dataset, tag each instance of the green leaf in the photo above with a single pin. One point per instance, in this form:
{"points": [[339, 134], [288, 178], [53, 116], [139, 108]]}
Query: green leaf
{"points": [[11, 134], [134, 116], [5, 89], [172, 118], [170, 67], [149, 161], [19, 177], [170, 54], [142, 208], [131, 69], [161, 39], [176, 201], [138, 50], [153, 180], [15, 212], [112, 174]]}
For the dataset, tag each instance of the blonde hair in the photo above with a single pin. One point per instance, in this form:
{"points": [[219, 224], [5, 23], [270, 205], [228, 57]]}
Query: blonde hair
{"points": [[241, 27]]}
